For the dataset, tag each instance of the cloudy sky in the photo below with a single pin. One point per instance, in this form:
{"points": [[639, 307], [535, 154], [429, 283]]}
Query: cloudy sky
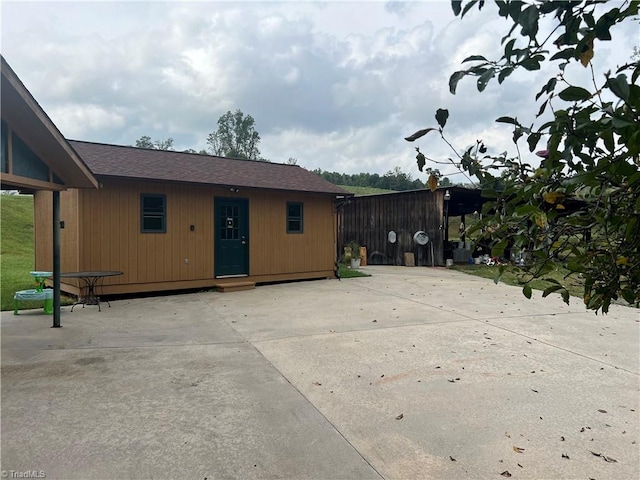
{"points": [[336, 85]]}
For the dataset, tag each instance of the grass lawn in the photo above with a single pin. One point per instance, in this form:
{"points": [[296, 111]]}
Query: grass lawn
{"points": [[17, 256], [364, 190], [346, 272], [515, 276], [16, 243]]}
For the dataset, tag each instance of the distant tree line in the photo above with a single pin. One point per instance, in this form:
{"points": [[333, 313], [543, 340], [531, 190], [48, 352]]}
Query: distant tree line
{"points": [[394, 179]]}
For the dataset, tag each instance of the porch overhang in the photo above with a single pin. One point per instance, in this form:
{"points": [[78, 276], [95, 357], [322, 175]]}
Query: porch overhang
{"points": [[24, 117]]}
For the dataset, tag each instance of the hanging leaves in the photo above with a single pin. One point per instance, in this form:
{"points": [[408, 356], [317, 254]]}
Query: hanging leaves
{"points": [[483, 80], [549, 290], [541, 219], [587, 53], [441, 116], [619, 86], [432, 182], [454, 79], [548, 88], [621, 261], [474, 58], [533, 140], [587, 175], [574, 94], [513, 121], [553, 197], [529, 21], [421, 159], [418, 134]]}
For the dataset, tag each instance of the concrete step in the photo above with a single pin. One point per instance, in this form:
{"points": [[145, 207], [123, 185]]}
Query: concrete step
{"points": [[235, 286]]}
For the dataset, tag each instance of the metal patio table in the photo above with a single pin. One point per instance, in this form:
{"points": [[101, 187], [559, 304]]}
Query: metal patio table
{"points": [[91, 281]]}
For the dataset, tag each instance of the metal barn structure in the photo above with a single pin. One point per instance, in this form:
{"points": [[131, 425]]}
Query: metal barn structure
{"points": [[370, 219]]}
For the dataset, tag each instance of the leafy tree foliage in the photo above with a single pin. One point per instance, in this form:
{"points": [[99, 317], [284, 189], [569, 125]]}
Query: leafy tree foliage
{"points": [[146, 142], [394, 179], [191, 150], [235, 137], [580, 207], [445, 182]]}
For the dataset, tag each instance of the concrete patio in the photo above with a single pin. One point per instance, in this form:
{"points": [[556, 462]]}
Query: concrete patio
{"points": [[411, 373]]}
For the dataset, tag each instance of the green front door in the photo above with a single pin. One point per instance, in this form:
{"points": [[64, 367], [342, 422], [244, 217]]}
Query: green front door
{"points": [[231, 237]]}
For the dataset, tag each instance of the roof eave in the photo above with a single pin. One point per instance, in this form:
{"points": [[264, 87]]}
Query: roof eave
{"points": [[221, 185], [27, 118]]}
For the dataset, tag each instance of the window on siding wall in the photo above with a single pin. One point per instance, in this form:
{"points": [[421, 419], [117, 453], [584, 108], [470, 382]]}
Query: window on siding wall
{"points": [[153, 209], [294, 217]]}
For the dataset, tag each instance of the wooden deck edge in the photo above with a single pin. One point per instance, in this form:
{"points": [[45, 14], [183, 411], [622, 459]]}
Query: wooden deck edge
{"points": [[205, 283]]}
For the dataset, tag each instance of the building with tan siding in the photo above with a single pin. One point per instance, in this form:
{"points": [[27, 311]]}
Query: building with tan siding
{"points": [[172, 220]]}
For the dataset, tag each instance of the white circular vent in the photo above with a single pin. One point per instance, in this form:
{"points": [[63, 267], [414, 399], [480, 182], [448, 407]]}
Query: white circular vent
{"points": [[421, 238]]}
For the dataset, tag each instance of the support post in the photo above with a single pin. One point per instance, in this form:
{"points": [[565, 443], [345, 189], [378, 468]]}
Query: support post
{"points": [[446, 250], [447, 197], [56, 259]]}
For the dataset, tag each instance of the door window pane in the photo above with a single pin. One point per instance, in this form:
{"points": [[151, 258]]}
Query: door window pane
{"points": [[229, 222]]}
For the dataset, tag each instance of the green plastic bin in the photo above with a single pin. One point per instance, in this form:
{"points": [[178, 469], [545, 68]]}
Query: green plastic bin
{"points": [[33, 294]]}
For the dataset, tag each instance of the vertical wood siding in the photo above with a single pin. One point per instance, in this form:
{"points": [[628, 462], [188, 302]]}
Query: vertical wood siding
{"points": [[369, 219], [110, 221], [273, 250], [102, 232], [43, 230]]}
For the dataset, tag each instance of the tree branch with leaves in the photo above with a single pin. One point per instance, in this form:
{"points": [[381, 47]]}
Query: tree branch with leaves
{"points": [[579, 209]]}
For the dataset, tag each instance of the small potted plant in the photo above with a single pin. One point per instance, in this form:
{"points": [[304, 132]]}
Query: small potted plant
{"points": [[354, 254]]}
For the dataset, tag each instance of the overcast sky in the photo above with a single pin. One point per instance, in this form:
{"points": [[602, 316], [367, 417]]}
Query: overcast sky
{"points": [[336, 85]]}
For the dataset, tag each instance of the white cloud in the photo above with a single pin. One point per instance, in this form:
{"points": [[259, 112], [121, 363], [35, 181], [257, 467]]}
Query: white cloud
{"points": [[335, 84], [76, 120]]}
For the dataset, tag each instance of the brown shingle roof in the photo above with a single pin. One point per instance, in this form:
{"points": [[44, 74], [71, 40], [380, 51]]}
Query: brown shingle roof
{"points": [[147, 164]]}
